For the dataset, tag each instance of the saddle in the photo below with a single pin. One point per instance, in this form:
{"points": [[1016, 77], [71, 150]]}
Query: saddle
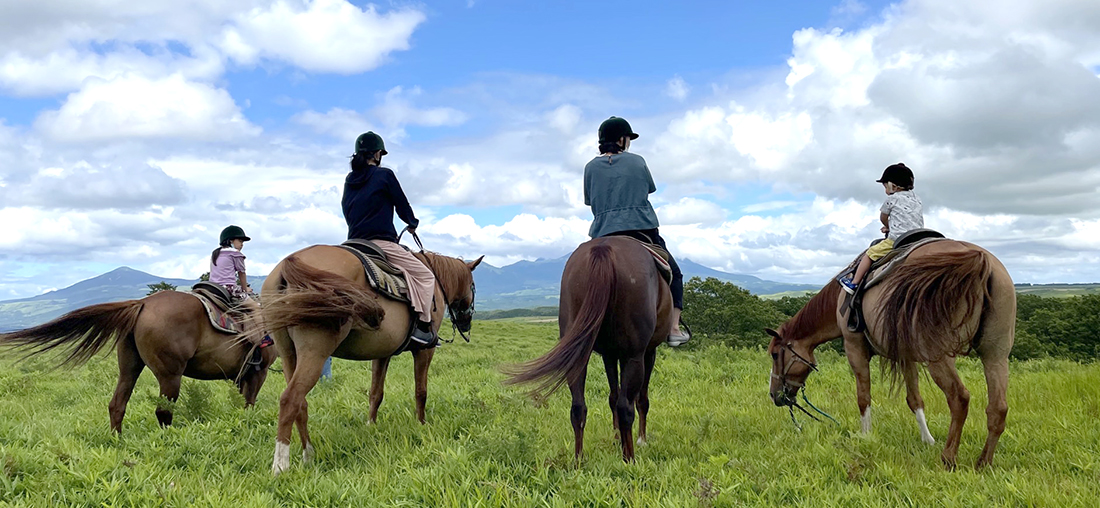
{"points": [[660, 256], [881, 269], [382, 276], [224, 314]]}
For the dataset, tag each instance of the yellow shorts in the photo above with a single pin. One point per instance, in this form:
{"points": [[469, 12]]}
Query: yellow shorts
{"points": [[880, 249]]}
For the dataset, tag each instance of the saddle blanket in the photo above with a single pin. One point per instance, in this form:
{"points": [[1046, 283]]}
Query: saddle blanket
{"points": [[221, 320], [386, 279], [660, 258]]}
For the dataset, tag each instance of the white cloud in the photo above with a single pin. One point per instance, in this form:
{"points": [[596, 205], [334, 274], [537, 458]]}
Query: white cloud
{"points": [[132, 106], [319, 35], [677, 88], [691, 211]]}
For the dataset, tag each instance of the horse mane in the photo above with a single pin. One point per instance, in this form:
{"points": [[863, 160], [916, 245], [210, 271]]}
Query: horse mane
{"points": [[820, 308], [452, 273], [921, 299]]}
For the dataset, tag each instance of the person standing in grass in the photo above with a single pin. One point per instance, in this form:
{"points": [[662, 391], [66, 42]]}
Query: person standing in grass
{"points": [[617, 185]]}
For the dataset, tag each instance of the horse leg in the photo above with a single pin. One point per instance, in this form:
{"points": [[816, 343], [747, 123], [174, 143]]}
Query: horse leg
{"points": [[643, 395], [130, 366], [421, 361], [611, 366], [859, 358], [958, 399], [996, 379], [916, 403], [378, 371], [293, 408], [169, 391], [632, 377], [578, 415]]}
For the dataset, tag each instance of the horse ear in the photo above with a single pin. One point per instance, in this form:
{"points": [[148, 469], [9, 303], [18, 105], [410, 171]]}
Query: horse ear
{"points": [[473, 264], [773, 333]]}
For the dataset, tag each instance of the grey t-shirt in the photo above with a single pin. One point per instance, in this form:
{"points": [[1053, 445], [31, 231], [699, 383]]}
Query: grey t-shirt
{"points": [[618, 188], [906, 212]]}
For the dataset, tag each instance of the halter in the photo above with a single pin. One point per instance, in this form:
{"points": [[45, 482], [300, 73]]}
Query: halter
{"points": [[795, 357], [467, 314]]}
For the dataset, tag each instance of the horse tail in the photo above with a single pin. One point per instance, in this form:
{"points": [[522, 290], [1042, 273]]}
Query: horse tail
{"points": [[923, 297], [314, 297], [84, 331], [568, 360]]}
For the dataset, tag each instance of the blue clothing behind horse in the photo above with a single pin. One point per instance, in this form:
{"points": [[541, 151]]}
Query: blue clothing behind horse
{"points": [[371, 195], [617, 187]]}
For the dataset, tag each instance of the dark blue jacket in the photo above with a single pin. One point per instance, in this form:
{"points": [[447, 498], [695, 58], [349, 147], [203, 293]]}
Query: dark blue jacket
{"points": [[370, 197]]}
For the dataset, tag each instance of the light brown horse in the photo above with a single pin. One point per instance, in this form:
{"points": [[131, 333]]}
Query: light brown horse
{"points": [[167, 331], [948, 298], [317, 304], [613, 302]]}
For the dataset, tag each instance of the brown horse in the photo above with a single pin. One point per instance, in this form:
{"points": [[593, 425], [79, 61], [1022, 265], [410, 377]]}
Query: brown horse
{"points": [[613, 302], [167, 331], [948, 298], [317, 303]]}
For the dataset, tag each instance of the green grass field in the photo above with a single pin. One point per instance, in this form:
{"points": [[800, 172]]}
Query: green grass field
{"points": [[715, 439]]}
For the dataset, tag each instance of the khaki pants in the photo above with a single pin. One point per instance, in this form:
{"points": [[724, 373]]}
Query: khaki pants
{"points": [[421, 280]]}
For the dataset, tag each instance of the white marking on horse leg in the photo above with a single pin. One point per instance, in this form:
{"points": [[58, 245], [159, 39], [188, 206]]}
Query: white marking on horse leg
{"points": [[307, 453], [282, 458], [641, 441], [865, 421], [923, 424]]}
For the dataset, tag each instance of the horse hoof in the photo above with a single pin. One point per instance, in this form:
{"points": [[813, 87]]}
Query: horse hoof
{"points": [[641, 441], [928, 440], [282, 458], [307, 454]]}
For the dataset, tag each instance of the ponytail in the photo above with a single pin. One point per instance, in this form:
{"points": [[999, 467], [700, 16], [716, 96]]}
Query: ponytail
{"points": [[217, 252], [361, 160], [612, 147]]}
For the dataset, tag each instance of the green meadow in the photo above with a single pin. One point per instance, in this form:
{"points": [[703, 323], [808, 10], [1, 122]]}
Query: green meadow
{"points": [[715, 439]]}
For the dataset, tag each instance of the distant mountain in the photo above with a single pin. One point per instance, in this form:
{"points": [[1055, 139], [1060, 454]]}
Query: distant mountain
{"points": [[538, 283], [519, 285], [122, 283]]}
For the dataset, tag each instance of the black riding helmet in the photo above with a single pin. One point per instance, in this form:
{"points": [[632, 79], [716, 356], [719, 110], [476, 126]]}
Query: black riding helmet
{"points": [[370, 142], [898, 174], [232, 232], [614, 128]]}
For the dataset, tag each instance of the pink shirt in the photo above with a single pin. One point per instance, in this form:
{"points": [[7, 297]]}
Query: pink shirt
{"points": [[224, 271]]}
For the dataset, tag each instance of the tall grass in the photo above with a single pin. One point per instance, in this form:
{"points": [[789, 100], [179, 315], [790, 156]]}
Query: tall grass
{"points": [[714, 439]]}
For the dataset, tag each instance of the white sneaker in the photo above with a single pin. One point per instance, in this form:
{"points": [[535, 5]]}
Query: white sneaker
{"points": [[677, 339]]}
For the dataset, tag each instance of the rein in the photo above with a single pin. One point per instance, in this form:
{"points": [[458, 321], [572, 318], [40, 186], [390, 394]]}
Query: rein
{"points": [[795, 357], [446, 300]]}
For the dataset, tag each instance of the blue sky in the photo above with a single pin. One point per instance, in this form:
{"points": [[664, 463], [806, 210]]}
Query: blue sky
{"points": [[131, 136]]}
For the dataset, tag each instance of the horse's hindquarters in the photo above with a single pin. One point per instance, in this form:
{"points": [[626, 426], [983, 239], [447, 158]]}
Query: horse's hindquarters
{"points": [[366, 344]]}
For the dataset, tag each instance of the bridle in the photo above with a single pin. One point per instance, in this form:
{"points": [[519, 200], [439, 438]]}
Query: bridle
{"points": [[800, 386], [466, 315], [795, 358]]}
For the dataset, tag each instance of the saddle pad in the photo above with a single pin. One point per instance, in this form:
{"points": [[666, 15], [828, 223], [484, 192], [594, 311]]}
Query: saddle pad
{"points": [[381, 277], [221, 320], [660, 258], [884, 266]]}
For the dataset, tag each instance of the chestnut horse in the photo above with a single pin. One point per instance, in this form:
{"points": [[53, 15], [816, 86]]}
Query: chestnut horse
{"points": [[613, 302], [947, 298], [317, 304], [167, 331]]}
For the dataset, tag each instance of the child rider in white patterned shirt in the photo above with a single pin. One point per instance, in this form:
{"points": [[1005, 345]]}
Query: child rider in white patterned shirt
{"points": [[901, 212]]}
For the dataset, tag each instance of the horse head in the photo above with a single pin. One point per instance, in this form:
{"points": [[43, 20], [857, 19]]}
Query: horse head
{"points": [[792, 362], [456, 279]]}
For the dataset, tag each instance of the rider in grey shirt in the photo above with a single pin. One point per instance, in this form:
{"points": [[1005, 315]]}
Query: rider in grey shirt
{"points": [[617, 185]]}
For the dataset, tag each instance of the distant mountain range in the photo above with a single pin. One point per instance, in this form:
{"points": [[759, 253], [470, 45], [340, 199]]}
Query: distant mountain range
{"points": [[519, 285]]}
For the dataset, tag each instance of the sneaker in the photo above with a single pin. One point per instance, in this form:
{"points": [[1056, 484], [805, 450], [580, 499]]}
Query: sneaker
{"points": [[266, 341], [677, 339], [423, 336], [847, 284]]}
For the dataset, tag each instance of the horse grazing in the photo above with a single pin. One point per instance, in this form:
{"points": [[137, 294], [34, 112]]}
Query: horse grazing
{"points": [[947, 298], [168, 331], [317, 304], [614, 302]]}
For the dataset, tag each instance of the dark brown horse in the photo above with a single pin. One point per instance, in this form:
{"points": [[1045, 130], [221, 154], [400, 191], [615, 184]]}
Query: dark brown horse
{"points": [[167, 331], [613, 302], [948, 298], [317, 304]]}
